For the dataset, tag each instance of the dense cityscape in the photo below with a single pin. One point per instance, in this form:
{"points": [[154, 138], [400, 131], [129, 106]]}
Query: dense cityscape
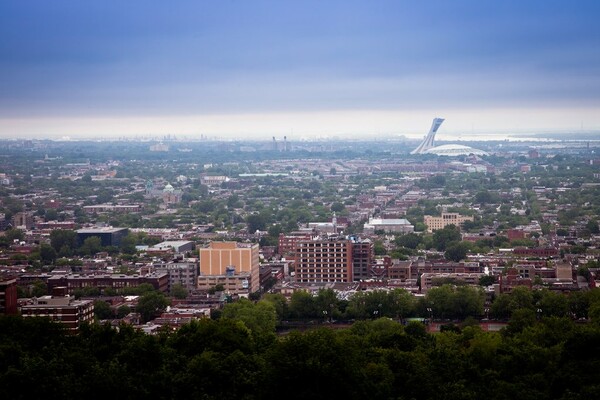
{"points": [[308, 199], [358, 246]]}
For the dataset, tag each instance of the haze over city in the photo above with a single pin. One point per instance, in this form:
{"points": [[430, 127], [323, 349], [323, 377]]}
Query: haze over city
{"points": [[303, 69]]}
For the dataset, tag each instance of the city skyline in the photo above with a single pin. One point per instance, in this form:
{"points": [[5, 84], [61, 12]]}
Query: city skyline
{"points": [[310, 69]]}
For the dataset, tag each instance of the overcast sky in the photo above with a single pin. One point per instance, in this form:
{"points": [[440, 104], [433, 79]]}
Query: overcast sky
{"points": [[297, 68]]}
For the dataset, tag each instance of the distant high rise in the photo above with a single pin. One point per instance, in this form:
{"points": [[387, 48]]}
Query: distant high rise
{"points": [[324, 260], [428, 142], [362, 258], [333, 259]]}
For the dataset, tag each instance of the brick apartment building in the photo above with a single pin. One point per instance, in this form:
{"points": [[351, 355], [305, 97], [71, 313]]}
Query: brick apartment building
{"points": [[64, 309], [536, 251], [118, 282], [324, 260], [362, 258], [8, 296], [287, 242], [512, 279]]}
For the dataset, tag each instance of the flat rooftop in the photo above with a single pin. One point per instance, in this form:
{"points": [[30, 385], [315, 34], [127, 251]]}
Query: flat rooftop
{"points": [[107, 229]]}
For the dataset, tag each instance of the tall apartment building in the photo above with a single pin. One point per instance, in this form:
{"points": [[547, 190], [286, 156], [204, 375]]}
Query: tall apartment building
{"points": [[435, 223], [324, 260], [231, 259], [362, 258]]}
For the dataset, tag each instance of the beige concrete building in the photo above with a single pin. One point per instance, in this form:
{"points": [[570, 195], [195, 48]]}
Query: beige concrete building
{"points": [[230, 259], [564, 272], [435, 223], [236, 284]]}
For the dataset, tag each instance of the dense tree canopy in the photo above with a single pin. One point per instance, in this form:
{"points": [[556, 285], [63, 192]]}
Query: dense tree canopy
{"points": [[151, 304], [91, 245], [260, 318], [63, 241], [550, 358], [179, 291], [456, 251], [47, 253], [410, 240], [443, 237]]}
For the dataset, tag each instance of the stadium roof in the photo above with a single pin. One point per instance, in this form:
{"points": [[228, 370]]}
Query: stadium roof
{"points": [[453, 150]]}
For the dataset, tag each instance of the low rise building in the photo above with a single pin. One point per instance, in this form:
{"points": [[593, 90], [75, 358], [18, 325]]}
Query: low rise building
{"points": [[429, 280], [181, 271], [435, 223], [234, 284], [399, 270], [213, 180], [506, 283], [564, 272], [109, 236], [64, 309], [443, 266], [546, 252], [113, 208], [118, 282], [389, 225], [177, 246]]}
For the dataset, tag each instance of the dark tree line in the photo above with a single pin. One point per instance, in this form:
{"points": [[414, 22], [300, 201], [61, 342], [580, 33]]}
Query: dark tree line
{"points": [[553, 358], [448, 301]]}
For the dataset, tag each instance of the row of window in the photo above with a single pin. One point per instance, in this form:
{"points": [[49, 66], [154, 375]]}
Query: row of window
{"points": [[325, 244], [320, 271], [338, 275]]}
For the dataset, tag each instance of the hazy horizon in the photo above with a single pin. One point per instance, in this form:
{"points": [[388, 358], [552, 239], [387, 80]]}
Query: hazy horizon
{"points": [[306, 70]]}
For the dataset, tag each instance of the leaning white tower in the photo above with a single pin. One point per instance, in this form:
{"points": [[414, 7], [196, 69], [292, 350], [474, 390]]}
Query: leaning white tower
{"points": [[428, 142]]}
